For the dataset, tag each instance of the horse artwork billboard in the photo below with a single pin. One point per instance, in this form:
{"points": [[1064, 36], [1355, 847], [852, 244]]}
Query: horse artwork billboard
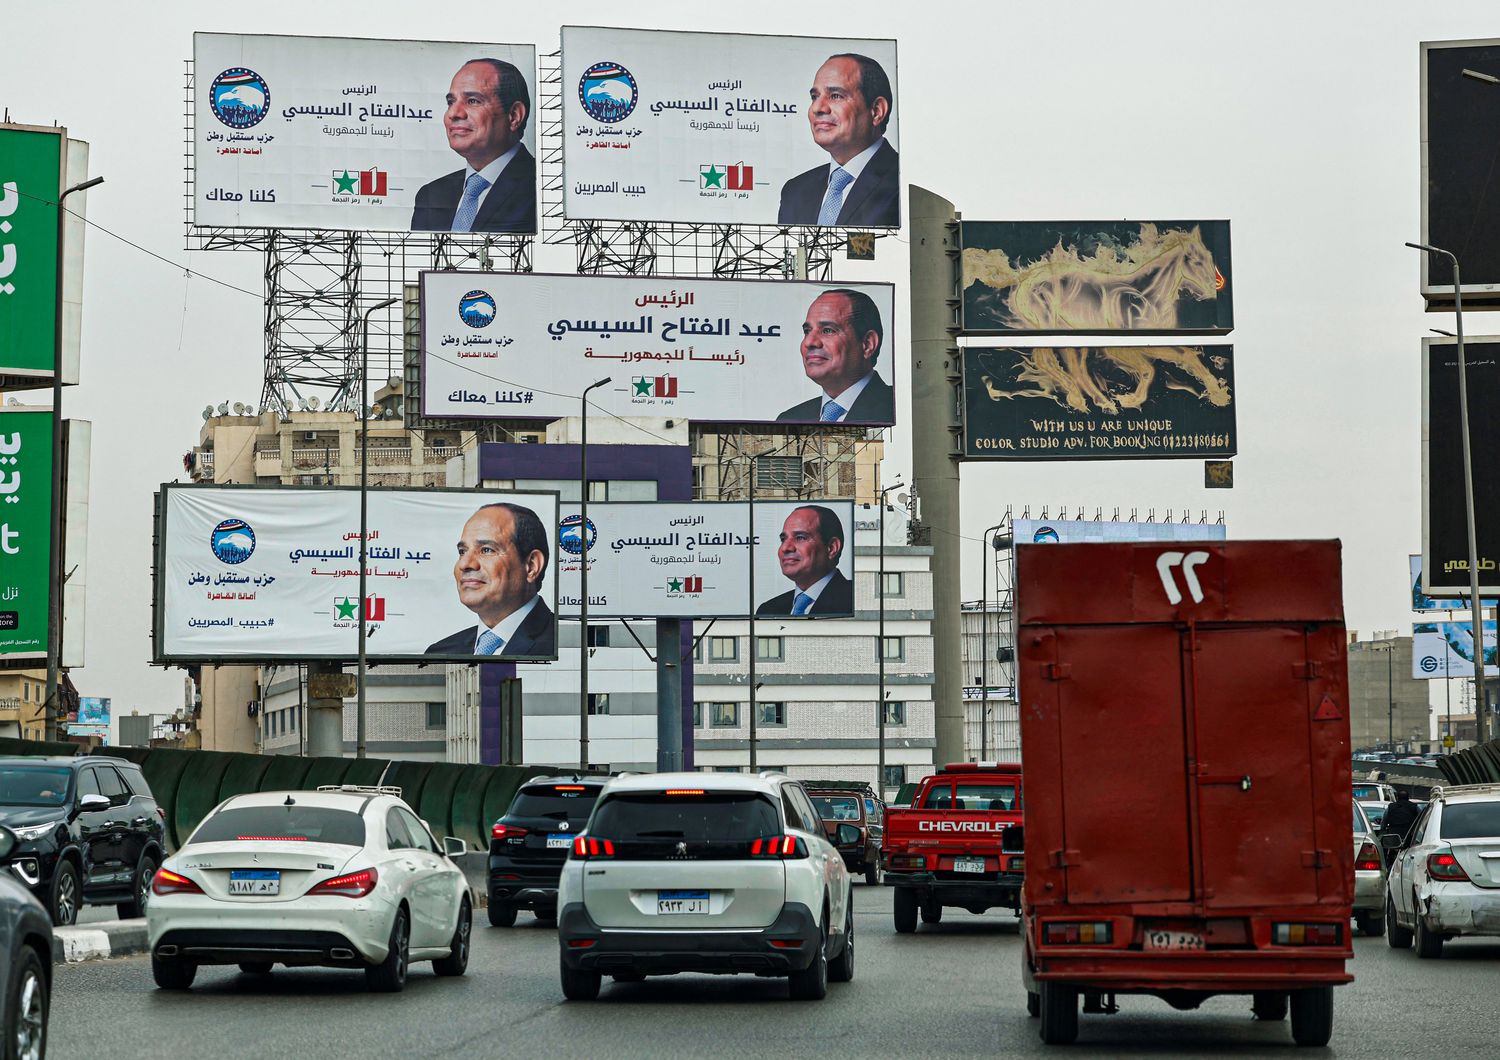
{"points": [[1098, 277], [1093, 403], [730, 128], [1445, 532]]}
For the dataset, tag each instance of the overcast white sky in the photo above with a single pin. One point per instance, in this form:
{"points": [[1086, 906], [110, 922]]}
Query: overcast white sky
{"points": [[1297, 121]]}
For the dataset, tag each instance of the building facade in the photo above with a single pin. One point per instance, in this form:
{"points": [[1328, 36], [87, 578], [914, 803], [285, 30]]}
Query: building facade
{"points": [[1386, 704]]}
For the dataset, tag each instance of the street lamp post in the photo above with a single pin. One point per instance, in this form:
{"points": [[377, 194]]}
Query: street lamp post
{"points": [[880, 648], [364, 516], [583, 578], [984, 648], [1390, 695], [1481, 706]]}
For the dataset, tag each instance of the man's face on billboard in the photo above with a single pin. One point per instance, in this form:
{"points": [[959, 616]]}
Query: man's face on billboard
{"points": [[833, 356], [805, 557], [493, 579], [843, 122], [478, 127]]}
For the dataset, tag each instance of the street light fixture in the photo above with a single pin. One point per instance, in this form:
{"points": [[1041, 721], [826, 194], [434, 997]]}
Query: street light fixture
{"points": [[364, 515], [583, 577], [880, 648]]}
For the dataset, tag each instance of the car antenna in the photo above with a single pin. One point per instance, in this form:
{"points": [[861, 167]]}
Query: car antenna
{"points": [[289, 801]]}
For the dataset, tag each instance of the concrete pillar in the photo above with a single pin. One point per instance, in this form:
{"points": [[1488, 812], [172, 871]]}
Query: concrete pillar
{"points": [[934, 377], [327, 687], [668, 695]]}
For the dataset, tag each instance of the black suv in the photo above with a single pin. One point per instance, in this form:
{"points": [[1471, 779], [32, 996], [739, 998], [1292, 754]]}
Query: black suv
{"points": [[530, 843], [87, 830]]}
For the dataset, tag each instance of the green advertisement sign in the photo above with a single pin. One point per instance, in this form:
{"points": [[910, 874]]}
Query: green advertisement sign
{"points": [[25, 531], [30, 179]]}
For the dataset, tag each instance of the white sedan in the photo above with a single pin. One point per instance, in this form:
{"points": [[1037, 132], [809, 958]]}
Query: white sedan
{"points": [[339, 877]]}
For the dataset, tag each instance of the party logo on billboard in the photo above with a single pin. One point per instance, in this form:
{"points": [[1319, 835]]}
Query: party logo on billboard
{"points": [[233, 541], [359, 184], [653, 386], [1045, 535], [569, 538], [477, 309], [345, 609], [607, 92], [690, 586], [718, 177], [240, 97]]}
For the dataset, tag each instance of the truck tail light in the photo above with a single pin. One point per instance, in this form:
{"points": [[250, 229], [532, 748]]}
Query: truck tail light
{"points": [[587, 846], [1017, 863], [1306, 934], [1367, 860], [1094, 933], [168, 882], [507, 831], [1444, 867], [906, 861], [350, 885], [778, 846]]}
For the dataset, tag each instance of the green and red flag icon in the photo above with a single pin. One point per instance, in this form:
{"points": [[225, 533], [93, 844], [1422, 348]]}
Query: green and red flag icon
{"points": [[374, 608], [662, 386], [741, 177], [372, 182], [692, 584]]}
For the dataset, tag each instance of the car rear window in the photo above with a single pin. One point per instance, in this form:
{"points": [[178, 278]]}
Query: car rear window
{"points": [[1368, 792], [1375, 812], [310, 824], [986, 796], [33, 786], [555, 800], [1471, 820], [713, 816], [836, 807]]}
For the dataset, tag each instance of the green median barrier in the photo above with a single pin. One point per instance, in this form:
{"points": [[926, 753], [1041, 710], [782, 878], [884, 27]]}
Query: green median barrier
{"points": [[327, 771], [366, 772], [10, 745], [502, 788], [163, 769], [137, 755], [285, 773], [198, 791], [243, 775], [469, 821], [436, 807], [410, 777]]}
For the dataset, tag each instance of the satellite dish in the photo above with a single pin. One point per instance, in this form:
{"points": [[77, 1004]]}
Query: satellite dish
{"points": [[302, 404], [903, 499], [208, 413], [313, 403], [223, 408], [239, 408], [393, 382]]}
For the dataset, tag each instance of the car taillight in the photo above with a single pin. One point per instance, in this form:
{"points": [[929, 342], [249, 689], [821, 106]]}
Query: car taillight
{"points": [[161, 813], [168, 882], [906, 861], [586, 846], [507, 831], [778, 846], [350, 885], [1087, 934], [1306, 934], [1017, 863], [1444, 867], [1367, 860]]}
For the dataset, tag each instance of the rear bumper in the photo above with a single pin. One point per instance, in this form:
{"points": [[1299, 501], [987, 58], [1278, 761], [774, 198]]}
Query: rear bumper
{"points": [[1369, 891], [525, 886], [1468, 912], [233, 946], [1239, 971], [992, 888], [588, 947]]}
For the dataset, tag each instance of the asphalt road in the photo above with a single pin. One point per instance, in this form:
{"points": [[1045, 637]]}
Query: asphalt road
{"points": [[950, 990]]}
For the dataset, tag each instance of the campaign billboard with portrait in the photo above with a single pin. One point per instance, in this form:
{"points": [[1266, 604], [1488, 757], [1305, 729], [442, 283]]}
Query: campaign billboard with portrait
{"points": [[523, 345], [672, 559], [731, 128], [364, 135], [264, 573]]}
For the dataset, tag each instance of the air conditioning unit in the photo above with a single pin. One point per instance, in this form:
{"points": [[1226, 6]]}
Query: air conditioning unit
{"points": [[309, 436]]}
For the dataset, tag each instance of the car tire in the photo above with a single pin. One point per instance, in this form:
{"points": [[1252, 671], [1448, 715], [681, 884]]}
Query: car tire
{"points": [[502, 914], [811, 983], [1429, 943], [1396, 936], [1033, 1004], [1312, 1016], [257, 967], [932, 912], [27, 1008], [842, 970], [906, 910], [457, 961], [136, 907], [1059, 1014], [577, 984], [173, 975], [389, 976], [1369, 924], [65, 894], [872, 876], [1267, 1005]]}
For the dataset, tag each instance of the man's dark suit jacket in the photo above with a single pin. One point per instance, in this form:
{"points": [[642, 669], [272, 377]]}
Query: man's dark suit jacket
{"points": [[873, 202], [537, 635], [836, 598], [876, 404], [510, 205]]}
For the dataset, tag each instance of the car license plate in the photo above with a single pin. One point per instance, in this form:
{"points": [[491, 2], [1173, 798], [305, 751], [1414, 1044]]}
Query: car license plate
{"points": [[672, 902], [255, 881], [559, 841], [1173, 940], [968, 864]]}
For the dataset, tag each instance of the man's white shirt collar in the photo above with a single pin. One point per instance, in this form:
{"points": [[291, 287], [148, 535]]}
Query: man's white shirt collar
{"points": [[817, 587], [491, 172], [507, 626], [847, 399], [856, 165]]}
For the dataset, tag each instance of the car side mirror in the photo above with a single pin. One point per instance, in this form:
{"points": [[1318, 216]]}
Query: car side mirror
{"points": [[7, 842], [847, 834], [93, 803], [453, 846], [1391, 842]]}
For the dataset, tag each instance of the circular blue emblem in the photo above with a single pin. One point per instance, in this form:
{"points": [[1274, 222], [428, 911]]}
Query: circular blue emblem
{"points": [[1429, 664], [233, 541], [1045, 535], [477, 309], [240, 97], [607, 92], [568, 538]]}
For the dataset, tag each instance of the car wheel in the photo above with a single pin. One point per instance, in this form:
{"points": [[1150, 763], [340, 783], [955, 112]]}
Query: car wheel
{"points": [[389, 976], [1429, 943], [811, 983], [906, 910], [64, 904], [457, 961], [1059, 1011], [257, 967], [502, 914], [1312, 1016], [842, 970], [1033, 1004], [1269, 1006], [872, 876], [577, 984], [932, 912], [1396, 936], [26, 1014], [1369, 924], [137, 905], [173, 975]]}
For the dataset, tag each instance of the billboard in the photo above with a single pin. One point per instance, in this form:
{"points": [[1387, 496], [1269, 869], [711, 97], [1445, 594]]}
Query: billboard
{"points": [[1460, 184], [524, 345], [729, 128], [253, 574], [25, 533], [1420, 601], [1446, 649], [1098, 402], [1074, 531], [692, 559], [93, 710], [1067, 277], [368, 135], [1445, 534]]}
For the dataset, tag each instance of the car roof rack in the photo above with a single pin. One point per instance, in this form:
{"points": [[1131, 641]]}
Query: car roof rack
{"points": [[362, 789], [1442, 791]]}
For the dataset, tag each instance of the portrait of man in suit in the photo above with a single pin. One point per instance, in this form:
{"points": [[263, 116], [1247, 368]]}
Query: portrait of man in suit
{"points": [[841, 340], [812, 540], [849, 112], [488, 108], [502, 556]]}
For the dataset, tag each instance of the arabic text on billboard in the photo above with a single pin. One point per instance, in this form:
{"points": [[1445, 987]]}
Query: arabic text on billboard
{"points": [[26, 532], [30, 178], [1445, 541], [1420, 601]]}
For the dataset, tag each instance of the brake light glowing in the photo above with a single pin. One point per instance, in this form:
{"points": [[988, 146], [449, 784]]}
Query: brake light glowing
{"points": [[168, 882], [569, 787], [351, 885], [588, 847], [1445, 867], [507, 831], [1098, 933], [778, 846], [683, 791], [272, 838], [1306, 934], [1367, 860]]}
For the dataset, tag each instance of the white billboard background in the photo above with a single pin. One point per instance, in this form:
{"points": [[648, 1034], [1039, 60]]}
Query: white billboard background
{"points": [[699, 99], [682, 560], [1446, 649], [327, 105], [296, 594], [1075, 531], [509, 346]]}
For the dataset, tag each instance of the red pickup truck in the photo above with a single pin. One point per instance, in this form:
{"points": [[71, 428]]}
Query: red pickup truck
{"points": [[959, 843]]}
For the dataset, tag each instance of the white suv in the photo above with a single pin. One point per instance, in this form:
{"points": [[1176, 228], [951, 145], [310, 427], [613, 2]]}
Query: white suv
{"points": [[704, 872], [1446, 881]]}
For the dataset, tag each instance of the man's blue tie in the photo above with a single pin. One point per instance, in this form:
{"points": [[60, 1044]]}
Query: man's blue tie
{"points": [[832, 410], [468, 206], [833, 198], [801, 603], [489, 643]]}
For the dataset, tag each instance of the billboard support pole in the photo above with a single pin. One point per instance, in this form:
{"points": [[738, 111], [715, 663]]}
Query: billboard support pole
{"points": [[668, 695], [364, 517], [750, 494], [880, 649], [325, 709], [583, 577], [984, 643]]}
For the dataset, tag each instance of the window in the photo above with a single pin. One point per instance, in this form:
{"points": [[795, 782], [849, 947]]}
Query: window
{"points": [[895, 713], [1470, 820], [724, 715], [396, 837], [797, 806], [895, 776], [723, 649], [894, 586], [770, 713], [598, 490], [698, 650], [420, 838], [697, 715], [111, 786], [437, 715], [727, 769], [769, 649], [25, 692], [312, 824], [598, 702], [598, 636], [892, 649], [778, 472]]}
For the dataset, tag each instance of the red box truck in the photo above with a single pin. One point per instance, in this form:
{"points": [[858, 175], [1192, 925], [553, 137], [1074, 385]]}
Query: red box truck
{"points": [[1184, 725]]}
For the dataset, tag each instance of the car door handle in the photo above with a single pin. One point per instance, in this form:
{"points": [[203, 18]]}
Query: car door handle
{"points": [[409, 864], [108, 825], [140, 822]]}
